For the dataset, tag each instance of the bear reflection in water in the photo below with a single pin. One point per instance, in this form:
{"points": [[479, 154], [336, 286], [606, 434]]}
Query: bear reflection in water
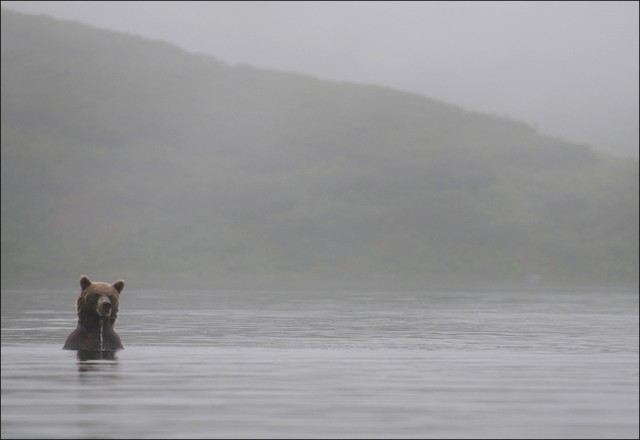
{"points": [[97, 308], [94, 355], [97, 365]]}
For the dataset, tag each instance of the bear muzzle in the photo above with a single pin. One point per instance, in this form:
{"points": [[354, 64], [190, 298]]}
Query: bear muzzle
{"points": [[103, 307]]}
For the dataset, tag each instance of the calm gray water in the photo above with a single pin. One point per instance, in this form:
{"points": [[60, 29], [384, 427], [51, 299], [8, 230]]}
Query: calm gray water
{"points": [[260, 364]]}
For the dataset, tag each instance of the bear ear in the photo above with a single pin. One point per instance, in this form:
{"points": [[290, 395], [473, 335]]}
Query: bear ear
{"points": [[84, 282], [119, 285]]}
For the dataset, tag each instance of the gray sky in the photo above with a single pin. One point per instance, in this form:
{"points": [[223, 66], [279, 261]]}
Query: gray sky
{"points": [[568, 68]]}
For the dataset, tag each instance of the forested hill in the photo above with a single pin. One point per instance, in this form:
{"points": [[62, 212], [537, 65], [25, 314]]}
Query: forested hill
{"points": [[128, 158]]}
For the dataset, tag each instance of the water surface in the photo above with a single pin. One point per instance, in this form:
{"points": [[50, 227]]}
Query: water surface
{"points": [[262, 364]]}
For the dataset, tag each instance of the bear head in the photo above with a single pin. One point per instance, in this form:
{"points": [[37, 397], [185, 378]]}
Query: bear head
{"points": [[98, 300]]}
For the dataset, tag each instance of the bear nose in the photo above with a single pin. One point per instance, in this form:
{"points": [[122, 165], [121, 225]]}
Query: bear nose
{"points": [[106, 306]]}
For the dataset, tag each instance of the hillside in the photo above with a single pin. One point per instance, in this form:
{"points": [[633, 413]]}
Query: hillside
{"points": [[128, 158]]}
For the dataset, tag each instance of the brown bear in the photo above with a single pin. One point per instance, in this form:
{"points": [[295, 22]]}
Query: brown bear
{"points": [[97, 308]]}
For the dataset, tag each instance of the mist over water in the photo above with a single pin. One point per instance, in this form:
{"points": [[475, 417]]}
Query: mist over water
{"points": [[181, 170], [271, 364], [129, 158]]}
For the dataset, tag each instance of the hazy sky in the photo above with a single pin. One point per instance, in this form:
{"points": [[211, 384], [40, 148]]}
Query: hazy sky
{"points": [[568, 68]]}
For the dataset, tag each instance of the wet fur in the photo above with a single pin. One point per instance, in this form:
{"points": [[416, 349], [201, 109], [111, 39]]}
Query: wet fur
{"points": [[91, 318]]}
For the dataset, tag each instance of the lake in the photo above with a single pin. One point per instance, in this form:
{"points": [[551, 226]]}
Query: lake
{"points": [[323, 364]]}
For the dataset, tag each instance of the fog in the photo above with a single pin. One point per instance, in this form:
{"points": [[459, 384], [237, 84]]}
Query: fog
{"points": [[257, 177], [307, 254], [570, 69]]}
